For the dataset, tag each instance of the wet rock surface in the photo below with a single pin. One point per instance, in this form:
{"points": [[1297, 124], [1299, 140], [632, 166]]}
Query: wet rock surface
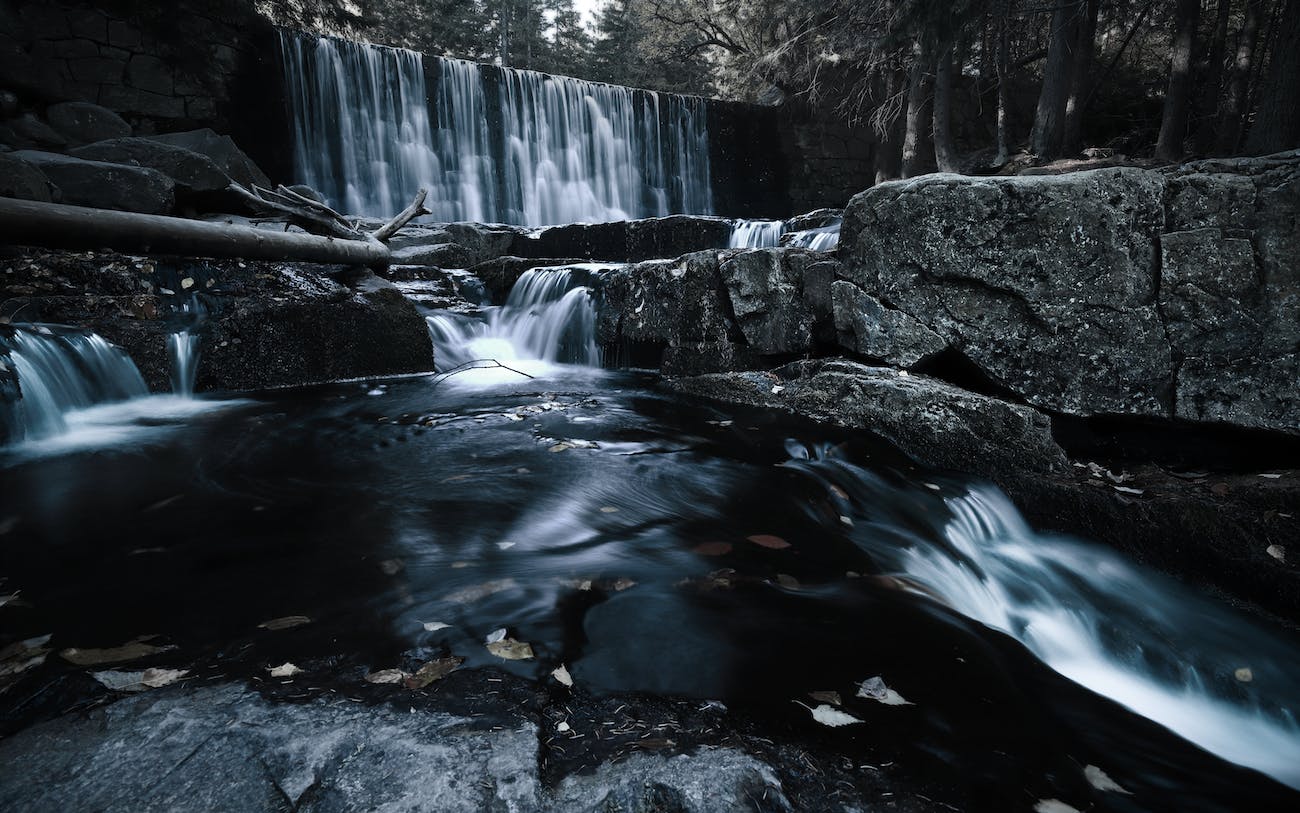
{"points": [[104, 185], [627, 241], [22, 180], [261, 324]]}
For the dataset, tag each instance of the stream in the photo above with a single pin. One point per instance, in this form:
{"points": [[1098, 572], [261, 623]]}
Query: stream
{"points": [[649, 543]]}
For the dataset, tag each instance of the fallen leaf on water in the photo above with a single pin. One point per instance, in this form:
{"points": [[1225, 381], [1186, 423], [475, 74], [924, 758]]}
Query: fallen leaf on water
{"points": [[830, 716], [620, 584], [562, 675], [787, 581], [1244, 674], [768, 541], [131, 651], [608, 509], [391, 567], [1099, 780], [826, 697], [284, 623], [874, 688], [1053, 806], [495, 635], [433, 670], [511, 650], [562, 727], [284, 670], [839, 492], [434, 626], [560, 447], [506, 545], [712, 548], [478, 592], [1271, 476], [139, 681], [387, 676], [1277, 552]]}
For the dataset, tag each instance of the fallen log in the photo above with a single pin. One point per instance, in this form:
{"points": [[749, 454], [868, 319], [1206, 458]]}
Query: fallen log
{"points": [[54, 225]]}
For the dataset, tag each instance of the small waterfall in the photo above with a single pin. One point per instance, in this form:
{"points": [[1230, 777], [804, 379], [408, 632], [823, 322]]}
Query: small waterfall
{"points": [[362, 136], [509, 146], [61, 370], [1134, 636], [756, 233], [183, 350], [826, 238], [549, 318]]}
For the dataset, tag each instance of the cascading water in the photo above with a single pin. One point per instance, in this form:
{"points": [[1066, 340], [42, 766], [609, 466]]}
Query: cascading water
{"points": [[362, 136], [567, 150], [1133, 636], [60, 371], [549, 318], [825, 238], [756, 233], [183, 349]]}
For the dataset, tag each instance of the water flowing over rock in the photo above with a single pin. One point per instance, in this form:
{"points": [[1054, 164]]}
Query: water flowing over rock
{"points": [[503, 145]]}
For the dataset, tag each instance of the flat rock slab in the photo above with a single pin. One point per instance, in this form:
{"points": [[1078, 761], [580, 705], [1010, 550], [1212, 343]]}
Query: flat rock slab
{"points": [[104, 185], [224, 747]]}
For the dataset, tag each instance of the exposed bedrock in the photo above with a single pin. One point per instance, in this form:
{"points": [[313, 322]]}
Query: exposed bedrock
{"points": [[262, 324]]}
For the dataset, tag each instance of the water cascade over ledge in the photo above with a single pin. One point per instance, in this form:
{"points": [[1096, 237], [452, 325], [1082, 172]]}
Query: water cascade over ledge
{"points": [[502, 145]]}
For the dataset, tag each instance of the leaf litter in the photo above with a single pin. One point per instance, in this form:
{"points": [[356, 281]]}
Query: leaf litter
{"points": [[874, 688], [139, 681]]}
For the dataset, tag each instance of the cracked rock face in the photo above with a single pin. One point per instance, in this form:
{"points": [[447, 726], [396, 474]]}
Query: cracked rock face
{"points": [[1116, 291], [1047, 283]]}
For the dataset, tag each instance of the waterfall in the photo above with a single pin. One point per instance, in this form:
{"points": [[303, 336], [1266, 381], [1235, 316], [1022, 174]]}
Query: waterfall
{"points": [[825, 238], [59, 371], [361, 128], [756, 233], [1134, 636], [504, 145], [183, 350], [549, 318]]}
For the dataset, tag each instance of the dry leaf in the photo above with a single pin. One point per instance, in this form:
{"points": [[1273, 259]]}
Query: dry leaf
{"points": [[511, 650], [387, 676], [1277, 552], [562, 675], [768, 541], [830, 716], [478, 592], [495, 635], [131, 651], [1053, 806], [287, 622], [284, 670], [826, 697], [434, 626], [562, 727], [1244, 674], [875, 689], [608, 509], [787, 581], [713, 549], [1099, 780], [433, 670], [139, 681]]}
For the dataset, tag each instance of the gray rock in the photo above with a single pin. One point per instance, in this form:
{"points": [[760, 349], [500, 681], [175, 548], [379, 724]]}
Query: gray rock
{"points": [[19, 179], [85, 123], [453, 245], [106, 186], [626, 241], [1047, 283], [868, 328], [765, 292], [932, 421], [28, 132], [8, 104], [816, 219], [226, 748], [193, 174], [223, 152], [307, 192]]}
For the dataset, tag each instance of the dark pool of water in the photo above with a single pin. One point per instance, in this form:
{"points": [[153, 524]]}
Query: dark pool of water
{"points": [[648, 543]]}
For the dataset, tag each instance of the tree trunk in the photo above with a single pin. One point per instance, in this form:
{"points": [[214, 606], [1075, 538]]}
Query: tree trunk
{"points": [[1277, 116], [889, 155], [1004, 83], [1212, 81], [945, 151], [1173, 124], [914, 134], [54, 225], [1049, 119], [1081, 77], [1232, 115]]}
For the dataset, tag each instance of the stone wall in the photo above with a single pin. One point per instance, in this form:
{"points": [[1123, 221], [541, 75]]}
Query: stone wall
{"points": [[829, 161], [165, 67]]}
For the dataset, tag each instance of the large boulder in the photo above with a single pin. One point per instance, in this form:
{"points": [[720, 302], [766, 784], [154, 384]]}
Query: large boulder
{"points": [[1048, 284], [869, 329], [452, 245], [196, 177], [104, 185], [223, 152], [85, 123], [26, 132], [1230, 292], [765, 291], [19, 179]]}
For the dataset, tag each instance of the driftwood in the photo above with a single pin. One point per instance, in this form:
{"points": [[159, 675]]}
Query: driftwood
{"points": [[331, 238]]}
